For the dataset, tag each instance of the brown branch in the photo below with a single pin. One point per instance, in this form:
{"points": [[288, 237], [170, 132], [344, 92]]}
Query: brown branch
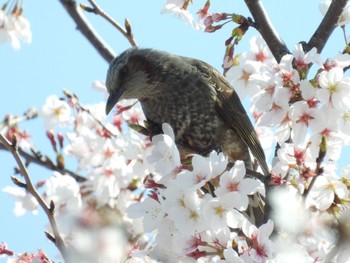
{"points": [[319, 160], [87, 29], [266, 29], [327, 26], [49, 210], [37, 159], [127, 33]]}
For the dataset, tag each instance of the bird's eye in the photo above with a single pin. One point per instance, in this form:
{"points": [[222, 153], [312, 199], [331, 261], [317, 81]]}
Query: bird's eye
{"points": [[123, 72]]}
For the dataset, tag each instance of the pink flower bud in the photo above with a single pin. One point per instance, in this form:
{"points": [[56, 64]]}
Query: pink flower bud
{"points": [[51, 135], [4, 250], [211, 29], [217, 17], [60, 138], [208, 21], [329, 64]]}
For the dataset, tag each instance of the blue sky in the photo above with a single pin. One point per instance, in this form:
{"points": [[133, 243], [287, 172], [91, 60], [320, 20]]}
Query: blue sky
{"points": [[60, 57]]}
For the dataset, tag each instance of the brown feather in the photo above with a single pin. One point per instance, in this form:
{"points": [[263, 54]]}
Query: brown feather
{"points": [[232, 112]]}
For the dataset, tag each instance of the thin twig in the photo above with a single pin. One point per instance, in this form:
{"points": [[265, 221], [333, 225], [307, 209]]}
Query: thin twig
{"points": [[344, 35], [72, 95], [97, 120], [49, 210], [127, 33], [38, 159], [11, 120], [327, 26], [87, 30], [35, 157], [266, 29]]}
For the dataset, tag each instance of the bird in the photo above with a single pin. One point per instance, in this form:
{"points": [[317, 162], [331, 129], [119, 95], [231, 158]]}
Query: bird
{"points": [[194, 98]]}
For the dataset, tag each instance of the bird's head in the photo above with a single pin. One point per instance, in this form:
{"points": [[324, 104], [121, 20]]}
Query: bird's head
{"points": [[131, 75]]}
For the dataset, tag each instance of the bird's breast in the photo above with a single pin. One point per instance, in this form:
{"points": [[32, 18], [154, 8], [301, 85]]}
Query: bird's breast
{"points": [[193, 119]]}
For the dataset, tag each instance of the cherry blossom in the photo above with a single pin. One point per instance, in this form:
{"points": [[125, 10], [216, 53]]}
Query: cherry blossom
{"points": [[328, 131], [4, 250], [262, 245], [258, 52], [64, 191], [278, 110], [179, 10], [151, 211], [134, 115], [304, 117], [233, 181], [56, 112], [345, 16], [343, 122], [186, 211], [303, 59], [165, 152], [326, 188], [24, 202], [341, 61], [335, 89], [14, 28], [245, 78], [206, 168], [219, 210], [39, 257]]}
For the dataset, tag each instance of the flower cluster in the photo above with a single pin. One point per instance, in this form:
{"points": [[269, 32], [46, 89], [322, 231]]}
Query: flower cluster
{"points": [[190, 222], [13, 26], [297, 108], [309, 120], [205, 20]]}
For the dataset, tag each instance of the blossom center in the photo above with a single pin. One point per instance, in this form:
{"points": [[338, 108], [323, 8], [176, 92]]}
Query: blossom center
{"points": [[332, 88], [245, 75], [346, 116], [194, 215], [260, 56], [232, 187], [219, 211], [58, 112], [305, 118]]}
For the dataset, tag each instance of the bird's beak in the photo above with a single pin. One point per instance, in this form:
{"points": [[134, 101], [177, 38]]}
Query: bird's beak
{"points": [[113, 99]]}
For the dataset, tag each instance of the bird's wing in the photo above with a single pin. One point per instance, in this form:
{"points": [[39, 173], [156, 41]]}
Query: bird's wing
{"points": [[231, 110]]}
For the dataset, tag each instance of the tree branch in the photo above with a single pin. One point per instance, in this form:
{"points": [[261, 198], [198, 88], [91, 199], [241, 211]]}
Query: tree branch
{"points": [[49, 210], [37, 159], [87, 29], [127, 33], [326, 27], [266, 29], [319, 160]]}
